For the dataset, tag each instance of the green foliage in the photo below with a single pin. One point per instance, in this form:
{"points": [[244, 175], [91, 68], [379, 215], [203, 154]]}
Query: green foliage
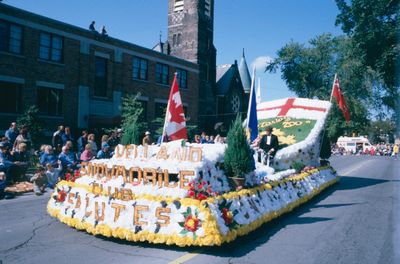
{"points": [[298, 166], [30, 118], [309, 72], [238, 158], [374, 26], [380, 128], [132, 126]]}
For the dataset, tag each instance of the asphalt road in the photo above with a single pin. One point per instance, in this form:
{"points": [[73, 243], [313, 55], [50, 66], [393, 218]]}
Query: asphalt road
{"points": [[355, 221]]}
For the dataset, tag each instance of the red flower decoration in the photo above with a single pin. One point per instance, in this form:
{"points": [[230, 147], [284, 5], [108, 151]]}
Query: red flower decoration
{"points": [[201, 196], [61, 196], [227, 216], [191, 193], [191, 223]]}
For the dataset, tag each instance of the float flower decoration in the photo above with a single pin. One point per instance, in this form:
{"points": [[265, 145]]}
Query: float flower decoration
{"points": [[227, 214], [72, 177], [200, 191], [60, 196], [191, 223]]}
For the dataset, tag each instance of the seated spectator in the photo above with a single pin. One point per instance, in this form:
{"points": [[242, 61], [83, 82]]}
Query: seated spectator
{"points": [[203, 138], [39, 181], [104, 31], [104, 153], [67, 160], [163, 138], [48, 157], [197, 139], [6, 142], [92, 27], [92, 142], [211, 140], [53, 174], [104, 140], [87, 154], [20, 158], [147, 139], [23, 137]]}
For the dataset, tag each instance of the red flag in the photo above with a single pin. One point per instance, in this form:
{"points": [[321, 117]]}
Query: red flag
{"points": [[337, 93], [175, 122]]}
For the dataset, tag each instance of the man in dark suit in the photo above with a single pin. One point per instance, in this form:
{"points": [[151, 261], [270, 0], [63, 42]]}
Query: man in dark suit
{"points": [[269, 142]]}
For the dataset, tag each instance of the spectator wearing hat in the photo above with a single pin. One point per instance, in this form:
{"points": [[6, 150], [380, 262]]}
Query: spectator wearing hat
{"points": [[104, 152], [147, 139], [269, 143]]}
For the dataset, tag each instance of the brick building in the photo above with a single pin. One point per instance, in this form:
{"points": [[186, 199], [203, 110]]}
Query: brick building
{"points": [[78, 77]]}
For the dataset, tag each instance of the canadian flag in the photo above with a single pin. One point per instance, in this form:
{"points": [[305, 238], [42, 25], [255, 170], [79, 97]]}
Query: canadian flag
{"points": [[175, 122], [337, 93]]}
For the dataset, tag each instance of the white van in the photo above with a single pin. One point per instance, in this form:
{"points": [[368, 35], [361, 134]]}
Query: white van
{"points": [[354, 144]]}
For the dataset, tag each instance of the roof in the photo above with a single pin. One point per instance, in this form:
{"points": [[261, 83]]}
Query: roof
{"points": [[225, 73], [244, 74]]}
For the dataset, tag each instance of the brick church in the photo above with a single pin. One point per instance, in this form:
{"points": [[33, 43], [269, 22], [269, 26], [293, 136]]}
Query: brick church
{"points": [[78, 77]]}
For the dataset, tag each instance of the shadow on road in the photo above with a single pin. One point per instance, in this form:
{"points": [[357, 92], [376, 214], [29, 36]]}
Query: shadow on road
{"points": [[352, 182], [246, 244]]}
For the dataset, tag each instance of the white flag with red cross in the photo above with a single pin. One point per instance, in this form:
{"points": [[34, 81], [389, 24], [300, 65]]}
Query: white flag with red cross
{"points": [[175, 122], [294, 108]]}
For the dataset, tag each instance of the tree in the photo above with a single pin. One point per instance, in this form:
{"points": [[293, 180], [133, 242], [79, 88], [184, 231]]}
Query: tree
{"points": [[309, 72], [374, 26], [30, 118], [238, 158], [132, 124]]}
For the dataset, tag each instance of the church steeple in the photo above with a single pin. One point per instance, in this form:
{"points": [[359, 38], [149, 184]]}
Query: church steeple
{"points": [[244, 74]]}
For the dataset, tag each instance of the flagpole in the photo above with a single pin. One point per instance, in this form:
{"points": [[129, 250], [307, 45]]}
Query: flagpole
{"points": [[333, 86], [166, 111], [323, 131], [251, 94]]}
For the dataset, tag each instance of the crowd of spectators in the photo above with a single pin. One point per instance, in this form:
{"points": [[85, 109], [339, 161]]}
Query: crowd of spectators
{"points": [[380, 149], [52, 161]]}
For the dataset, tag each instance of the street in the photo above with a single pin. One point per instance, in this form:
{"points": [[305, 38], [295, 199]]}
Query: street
{"points": [[354, 221]]}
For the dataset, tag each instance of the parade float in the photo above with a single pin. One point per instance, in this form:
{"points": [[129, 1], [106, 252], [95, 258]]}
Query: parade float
{"points": [[178, 193]]}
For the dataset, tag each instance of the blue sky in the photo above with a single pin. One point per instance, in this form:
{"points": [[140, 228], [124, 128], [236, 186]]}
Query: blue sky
{"points": [[262, 27]]}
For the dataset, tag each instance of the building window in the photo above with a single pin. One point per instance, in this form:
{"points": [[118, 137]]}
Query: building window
{"points": [[179, 39], [100, 82], [10, 93], [51, 47], [10, 37], [140, 68], [178, 5], [182, 78], [50, 101], [162, 75], [160, 109], [207, 8]]}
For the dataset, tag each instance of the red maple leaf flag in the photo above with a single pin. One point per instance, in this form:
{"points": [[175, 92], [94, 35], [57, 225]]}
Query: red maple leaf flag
{"points": [[175, 122], [337, 93]]}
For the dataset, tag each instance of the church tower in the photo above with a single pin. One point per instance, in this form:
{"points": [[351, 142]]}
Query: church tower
{"points": [[191, 37]]}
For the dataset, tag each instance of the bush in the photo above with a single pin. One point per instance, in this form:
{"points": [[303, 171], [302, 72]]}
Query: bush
{"points": [[132, 126], [238, 156]]}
